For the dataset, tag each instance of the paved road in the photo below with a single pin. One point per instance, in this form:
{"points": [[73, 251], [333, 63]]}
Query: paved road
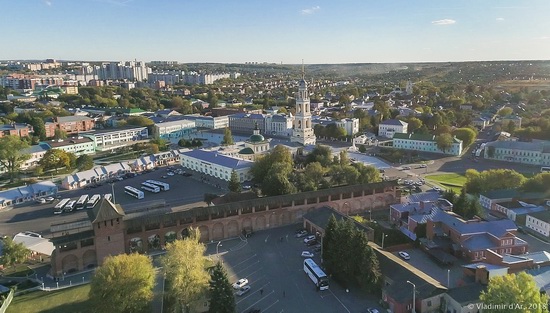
{"points": [[39, 217]]}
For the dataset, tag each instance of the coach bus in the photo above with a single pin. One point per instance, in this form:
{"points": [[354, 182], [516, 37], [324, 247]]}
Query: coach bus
{"points": [[93, 201], [545, 169], [136, 193], [58, 209], [70, 206], [81, 203], [316, 274], [162, 185], [150, 187]]}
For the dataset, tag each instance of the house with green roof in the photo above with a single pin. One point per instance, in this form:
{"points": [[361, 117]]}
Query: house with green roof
{"points": [[425, 143]]}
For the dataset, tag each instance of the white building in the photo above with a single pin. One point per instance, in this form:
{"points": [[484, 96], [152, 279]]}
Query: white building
{"points": [[30, 192], [388, 128], [77, 145], [351, 125], [219, 122], [215, 164], [425, 143], [539, 222], [278, 124], [173, 129], [116, 138], [36, 153], [302, 129], [534, 153]]}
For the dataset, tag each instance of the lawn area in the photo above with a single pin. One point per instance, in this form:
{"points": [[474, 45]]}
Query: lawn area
{"points": [[448, 181], [67, 300]]}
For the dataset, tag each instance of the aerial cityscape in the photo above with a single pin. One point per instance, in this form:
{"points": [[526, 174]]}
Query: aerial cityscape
{"points": [[232, 157]]}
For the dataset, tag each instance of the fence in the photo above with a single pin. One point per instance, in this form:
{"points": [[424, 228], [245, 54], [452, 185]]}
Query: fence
{"points": [[7, 302]]}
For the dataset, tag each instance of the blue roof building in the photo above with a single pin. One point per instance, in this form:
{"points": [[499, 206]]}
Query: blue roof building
{"points": [[215, 164]]}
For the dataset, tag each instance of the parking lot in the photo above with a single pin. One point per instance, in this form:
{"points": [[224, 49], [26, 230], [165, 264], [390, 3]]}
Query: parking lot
{"points": [[271, 261]]}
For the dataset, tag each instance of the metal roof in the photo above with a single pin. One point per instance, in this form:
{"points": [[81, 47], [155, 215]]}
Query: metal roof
{"points": [[218, 159]]}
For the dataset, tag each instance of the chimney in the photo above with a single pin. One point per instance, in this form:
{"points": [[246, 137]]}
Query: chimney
{"points": [[481, 275]]}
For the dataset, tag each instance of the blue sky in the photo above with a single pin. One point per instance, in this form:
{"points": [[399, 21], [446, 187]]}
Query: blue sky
{"points": [[287, 31]]}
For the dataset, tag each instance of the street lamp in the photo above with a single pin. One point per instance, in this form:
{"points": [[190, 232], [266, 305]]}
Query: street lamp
{"points": [[383, 236], [414, 297], [113, 192], [217, 248]]}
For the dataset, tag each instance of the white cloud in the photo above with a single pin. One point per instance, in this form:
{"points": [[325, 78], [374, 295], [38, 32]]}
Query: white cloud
{"points": [[310, 11], [444, 22], [500, 19], [48, 3]]}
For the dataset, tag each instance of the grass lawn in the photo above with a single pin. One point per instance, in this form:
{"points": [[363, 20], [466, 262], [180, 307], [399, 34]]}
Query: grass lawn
{"points": [[67, 300], [448, 181], [19, 270]]}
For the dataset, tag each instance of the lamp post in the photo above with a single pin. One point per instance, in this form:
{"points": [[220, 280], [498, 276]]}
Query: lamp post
{"points": [[370, 215], [448, 278], [217, 249], [383, 236], [113, 192], [414, 297]]}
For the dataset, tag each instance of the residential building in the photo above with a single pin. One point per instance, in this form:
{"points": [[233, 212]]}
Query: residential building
{"points": [[95, 175], [174, 129], [539, 222], [424, 143], [70, 90], [246, 122], [16, 129], [36, 153], [472, 239], [515, 210], [279, 124], [505, 120], [27, 193], [481, 122], [351, 125], [130, 70], [487, 199], [110, 139], [170, 78], [388, 128], [167, 113], [407, 216], [302, 128], [77, 145], [463, 299], [70, 124], [533, 153], [215, 164], [202, 121]]}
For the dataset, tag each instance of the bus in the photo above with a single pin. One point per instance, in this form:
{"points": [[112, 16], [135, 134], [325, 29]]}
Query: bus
{"points": [[108, 196], [81, 203], [162, 185], [136, 193], [545, 169], [150, 187], [316, 274], [93, 201], [58, 209], [70, 206]]}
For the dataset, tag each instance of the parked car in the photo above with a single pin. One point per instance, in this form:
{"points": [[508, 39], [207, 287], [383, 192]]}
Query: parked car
{"points": [[406, 167], [243, 290], [372, 310], [240, 283], [253, 310], [404, 255], [50, 199], [170, 173], [307, 254], [41, 200], [301, 234], [309, 238], [421, 166], [164, 176], [311, 242]]}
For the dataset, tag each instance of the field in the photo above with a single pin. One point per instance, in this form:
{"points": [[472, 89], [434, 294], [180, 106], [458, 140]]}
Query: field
{"points": [[74, 300], [448, 181]]}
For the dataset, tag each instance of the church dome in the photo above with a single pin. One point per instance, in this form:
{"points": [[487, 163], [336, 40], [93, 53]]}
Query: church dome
{"points": [[246, 151], [256, 138]]}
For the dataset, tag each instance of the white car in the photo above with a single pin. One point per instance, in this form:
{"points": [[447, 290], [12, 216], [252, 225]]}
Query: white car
{"points": [[50, 199], [240, 283], [309, 238], [41, 200], [423, 165], [404, 255], [307, 254], [170, 174], [243, 290]]}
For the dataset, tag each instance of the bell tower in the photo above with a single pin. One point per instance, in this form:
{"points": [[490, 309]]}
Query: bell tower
{"points": [[302, 130]]}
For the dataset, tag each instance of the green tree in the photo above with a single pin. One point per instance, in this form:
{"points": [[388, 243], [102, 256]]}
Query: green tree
{"points": [[161, 143], [279, 154], [537, 183], [59, 134], [466, 134], [222, 299], [515, 293], [362, 149], [344, 158], [55, 159], [84, 162], [314, 173], [13, 253], [477, 182], [39, 127], [12, 154], [227, 137], [505, 111], [414, 124], [276, 181], [444, 142], [234, 183], [152, 148], [367, 174], [185, 266], [124, 283], [321, 154], [139, 121]]}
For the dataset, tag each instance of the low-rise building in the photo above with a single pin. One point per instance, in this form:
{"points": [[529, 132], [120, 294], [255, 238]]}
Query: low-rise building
{"points": [[539, 222], [424, 143], [70, 124], [110, 139], [407, 216], [515, 210], [388, 128], [30, 192], [175, 129], [246, 122], [95, 175], [487, 199], [36, 154], [77, 145], [534, 153], [215, 164], [16, 129], [210, 122], [351, 125], [463, 299], [279, 124]]}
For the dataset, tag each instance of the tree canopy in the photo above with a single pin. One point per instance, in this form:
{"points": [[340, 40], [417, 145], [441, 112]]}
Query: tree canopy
{"points": [[537, 183], [124, 283], [12, 154], [234, 183], [55, 159], [13, 253], [516, 292], [227, 137], [84, 162], [139, 121], [222, 299], [477, 182], [444, 142], [466, 134]]}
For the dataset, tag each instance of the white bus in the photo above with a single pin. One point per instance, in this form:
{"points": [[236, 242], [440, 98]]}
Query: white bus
{"points": [[81, 203], [150, 187], [136, 193], [545, 169], [58, 209], [162, 185], [70, 206], [316, 274], [93, 201], [108, 196]]}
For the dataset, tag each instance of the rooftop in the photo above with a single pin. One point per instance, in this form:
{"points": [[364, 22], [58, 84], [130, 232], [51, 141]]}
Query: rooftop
{"points": [[73, 118], [496, 228], [518, 145], [395, 122], [218, 158], [68, 142], [466, 294], [4, 127]]}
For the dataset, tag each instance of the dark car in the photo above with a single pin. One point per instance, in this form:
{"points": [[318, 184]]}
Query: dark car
{"points": [[311, 243], [253, 310]]}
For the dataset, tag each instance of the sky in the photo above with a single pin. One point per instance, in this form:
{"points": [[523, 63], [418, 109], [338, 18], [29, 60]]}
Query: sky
{"points": [[276, 31]]}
